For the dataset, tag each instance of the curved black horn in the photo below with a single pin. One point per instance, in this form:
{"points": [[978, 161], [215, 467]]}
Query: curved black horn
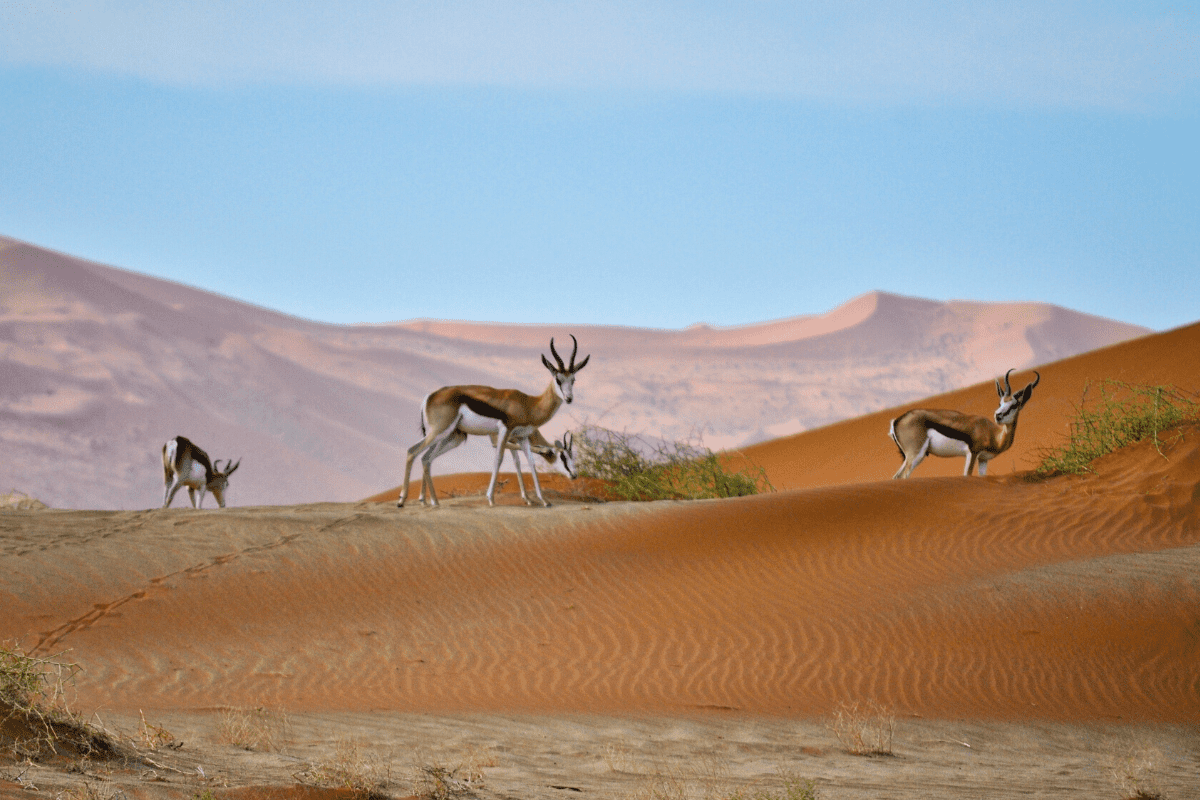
{"points": [[1007, 387], [1037, 379], [574, 350], [561, 366]]}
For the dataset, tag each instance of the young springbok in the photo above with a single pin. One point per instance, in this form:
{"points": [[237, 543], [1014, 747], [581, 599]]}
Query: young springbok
{"points": [[951, 433], [560, 451], [184, 464], [452, 413]]}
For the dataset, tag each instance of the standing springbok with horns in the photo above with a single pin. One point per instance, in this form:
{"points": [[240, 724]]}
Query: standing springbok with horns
{"points": [[951, 433], [560, 451], [184, 464], [452, 413]]}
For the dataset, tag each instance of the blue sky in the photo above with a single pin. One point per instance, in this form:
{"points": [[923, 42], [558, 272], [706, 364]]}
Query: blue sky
{"points": [[633, 163]]}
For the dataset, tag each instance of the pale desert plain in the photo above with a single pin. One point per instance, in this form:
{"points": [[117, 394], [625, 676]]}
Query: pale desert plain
{"points": [[1030, 638]]}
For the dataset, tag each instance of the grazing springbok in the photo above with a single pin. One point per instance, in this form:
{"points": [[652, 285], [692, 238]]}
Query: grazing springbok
{"points": [[559, 451], [951, 433], [184, 464], [508, 416]]}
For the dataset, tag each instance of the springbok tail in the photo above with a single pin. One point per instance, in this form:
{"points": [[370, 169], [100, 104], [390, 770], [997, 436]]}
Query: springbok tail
{"points": [[892, 431]]}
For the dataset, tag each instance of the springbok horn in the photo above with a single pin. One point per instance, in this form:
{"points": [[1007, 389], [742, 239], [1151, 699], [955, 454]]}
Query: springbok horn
{"points": [[1007, 388], [561, 366], [216, 469], [574, 350], [228, 469], [1036, 380]]}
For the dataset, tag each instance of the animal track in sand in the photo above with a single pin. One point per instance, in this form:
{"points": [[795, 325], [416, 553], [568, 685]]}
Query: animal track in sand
{"points": [[48, 640]]}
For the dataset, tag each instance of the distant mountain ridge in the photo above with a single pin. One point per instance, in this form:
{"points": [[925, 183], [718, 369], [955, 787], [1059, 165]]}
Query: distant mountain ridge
{"points": [[100, 366]]}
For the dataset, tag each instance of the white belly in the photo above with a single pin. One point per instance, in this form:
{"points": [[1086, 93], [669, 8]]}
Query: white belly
{"points": [[944, 446], [197, 475], [477, 424]]}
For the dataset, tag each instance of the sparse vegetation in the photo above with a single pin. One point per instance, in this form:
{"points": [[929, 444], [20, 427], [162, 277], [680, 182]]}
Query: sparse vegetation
{"points": [[35, 717], [351, 768], [794, 788], [152, 737], [438, 782], [637, 470], [1123, 414], [88, 791], [1133, 775], [864, 728], [253, 728]]}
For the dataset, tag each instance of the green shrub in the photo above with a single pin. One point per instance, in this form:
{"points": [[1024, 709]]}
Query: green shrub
{"points": [[1125, 413], [636, 470]]}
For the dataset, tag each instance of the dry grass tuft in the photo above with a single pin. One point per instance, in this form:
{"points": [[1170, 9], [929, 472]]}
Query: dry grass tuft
{"points": [[253, 728], [88, 791], [35, 715], [438, 782], [794, 788], [864, 728], [1133, 774], [151, 737], [362, 773]]}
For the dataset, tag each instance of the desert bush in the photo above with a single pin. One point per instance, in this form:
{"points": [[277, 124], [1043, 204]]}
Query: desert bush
{"points": [[864, 728], [637, 470], [1123, 414]]}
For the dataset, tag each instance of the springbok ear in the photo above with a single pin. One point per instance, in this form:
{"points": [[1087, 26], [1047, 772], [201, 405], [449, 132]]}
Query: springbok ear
{"points": [[549, 366], [229, 470], [581, 364], [999, 389]]}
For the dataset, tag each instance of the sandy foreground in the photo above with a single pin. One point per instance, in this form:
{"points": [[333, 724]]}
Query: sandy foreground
{"points": [[1029, 638], [1032, 639]]}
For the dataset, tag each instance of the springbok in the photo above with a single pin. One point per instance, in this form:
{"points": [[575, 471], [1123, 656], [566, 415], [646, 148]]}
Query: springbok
{"points": [[184, 464], [451, 413], [951, 433], [560, 451]]}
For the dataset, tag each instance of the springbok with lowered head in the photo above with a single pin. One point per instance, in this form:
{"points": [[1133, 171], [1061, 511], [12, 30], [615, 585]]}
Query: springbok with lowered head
{"points": [[184, 464], [508, 416], [921, 432], [560, 451]]}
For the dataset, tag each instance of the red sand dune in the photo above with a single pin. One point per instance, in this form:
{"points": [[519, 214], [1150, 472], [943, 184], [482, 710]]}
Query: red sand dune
{"points": [[860, 449], [1075, 598]]}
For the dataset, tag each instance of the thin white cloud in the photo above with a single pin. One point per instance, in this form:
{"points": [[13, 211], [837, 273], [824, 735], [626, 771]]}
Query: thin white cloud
{"points": [[1039, 54]]}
